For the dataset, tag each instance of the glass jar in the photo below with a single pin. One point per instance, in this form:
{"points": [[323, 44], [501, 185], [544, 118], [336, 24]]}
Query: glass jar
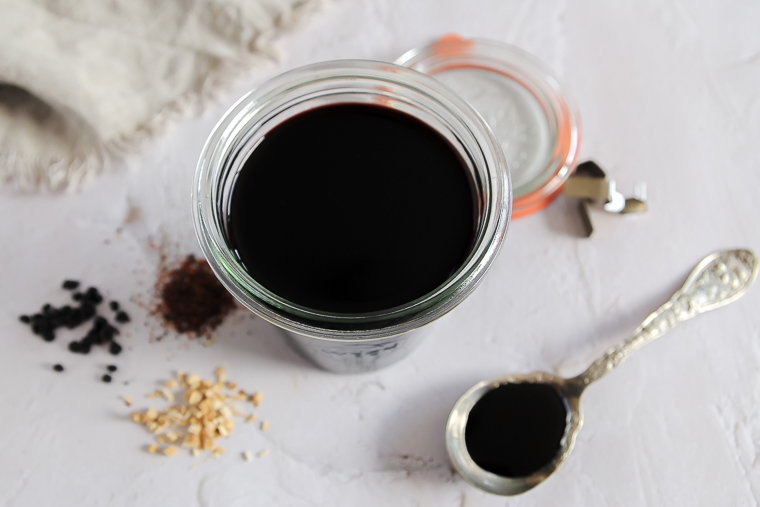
{"points": [[350, 343]]}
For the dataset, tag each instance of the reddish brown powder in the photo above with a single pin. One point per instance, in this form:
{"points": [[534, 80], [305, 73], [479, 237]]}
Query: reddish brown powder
{"points": [[191, 299]]}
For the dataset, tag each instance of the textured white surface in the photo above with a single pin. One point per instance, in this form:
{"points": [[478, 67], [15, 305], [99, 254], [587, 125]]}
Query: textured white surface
{"points": [[668, 94]]}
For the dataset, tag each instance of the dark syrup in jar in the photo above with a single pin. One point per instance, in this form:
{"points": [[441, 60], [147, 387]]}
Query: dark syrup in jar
{"points": [[352, 208], [515, 429]]}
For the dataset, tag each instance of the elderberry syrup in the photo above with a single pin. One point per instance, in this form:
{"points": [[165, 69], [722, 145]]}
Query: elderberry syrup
{"points": [[352, 208], [516, 429]]}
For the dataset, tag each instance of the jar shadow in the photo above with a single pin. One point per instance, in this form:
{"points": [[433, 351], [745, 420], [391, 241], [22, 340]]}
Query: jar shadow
{"points": [[251, 335]]}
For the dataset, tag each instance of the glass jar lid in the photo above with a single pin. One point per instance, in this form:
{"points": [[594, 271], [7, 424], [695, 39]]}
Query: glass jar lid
{"points": [[532, 116]]}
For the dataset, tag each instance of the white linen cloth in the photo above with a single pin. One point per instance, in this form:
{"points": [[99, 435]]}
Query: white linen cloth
{"points": [[84, 80]]}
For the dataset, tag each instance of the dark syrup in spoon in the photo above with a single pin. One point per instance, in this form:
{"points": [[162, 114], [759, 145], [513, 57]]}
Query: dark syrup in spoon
{"points": [[515, 429]]}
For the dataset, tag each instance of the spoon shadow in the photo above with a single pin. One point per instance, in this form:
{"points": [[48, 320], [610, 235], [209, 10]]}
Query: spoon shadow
{"points": [[415, 441]]}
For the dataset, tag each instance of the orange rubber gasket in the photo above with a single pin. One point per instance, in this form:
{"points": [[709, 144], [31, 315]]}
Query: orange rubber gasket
{"points": [[452, 45]]}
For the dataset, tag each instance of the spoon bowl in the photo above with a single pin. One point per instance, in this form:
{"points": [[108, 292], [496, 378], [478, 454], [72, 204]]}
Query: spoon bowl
{"points": [[569, 391], [716, 281]]}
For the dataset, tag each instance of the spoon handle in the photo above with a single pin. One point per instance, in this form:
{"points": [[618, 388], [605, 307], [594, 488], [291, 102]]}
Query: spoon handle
{"points": [[719, 279]]}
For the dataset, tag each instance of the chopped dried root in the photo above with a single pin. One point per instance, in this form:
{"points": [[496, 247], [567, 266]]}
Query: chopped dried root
{"points": [[206, 415]]}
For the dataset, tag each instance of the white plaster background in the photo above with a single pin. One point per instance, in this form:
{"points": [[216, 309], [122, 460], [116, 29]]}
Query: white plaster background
{"points": [[669, 93]]}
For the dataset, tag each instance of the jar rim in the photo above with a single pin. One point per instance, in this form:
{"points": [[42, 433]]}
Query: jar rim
{"points": [[386, 83]]}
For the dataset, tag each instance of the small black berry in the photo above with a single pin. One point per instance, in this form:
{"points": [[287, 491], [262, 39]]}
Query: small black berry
{"points": [[87, 311], [91, 338], [111, 368], [70, 284], [77, 296], [99, 323], [122, 317], [106, 378], [114, 348], [114, 306], [74, 346], [25, 319], [73, 318], [58, 367], [107, 333], [94, 295]]}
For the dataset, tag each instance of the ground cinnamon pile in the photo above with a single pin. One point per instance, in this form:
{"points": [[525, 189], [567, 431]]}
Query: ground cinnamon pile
{"points": [[191, 299]]}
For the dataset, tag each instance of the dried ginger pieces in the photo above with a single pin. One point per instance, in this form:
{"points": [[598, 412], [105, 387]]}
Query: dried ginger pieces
{"points": [[205, 416]]}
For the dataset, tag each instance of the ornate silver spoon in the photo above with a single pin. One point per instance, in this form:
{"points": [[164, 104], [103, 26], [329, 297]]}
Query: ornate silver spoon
{"points": [[719, 279]]}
